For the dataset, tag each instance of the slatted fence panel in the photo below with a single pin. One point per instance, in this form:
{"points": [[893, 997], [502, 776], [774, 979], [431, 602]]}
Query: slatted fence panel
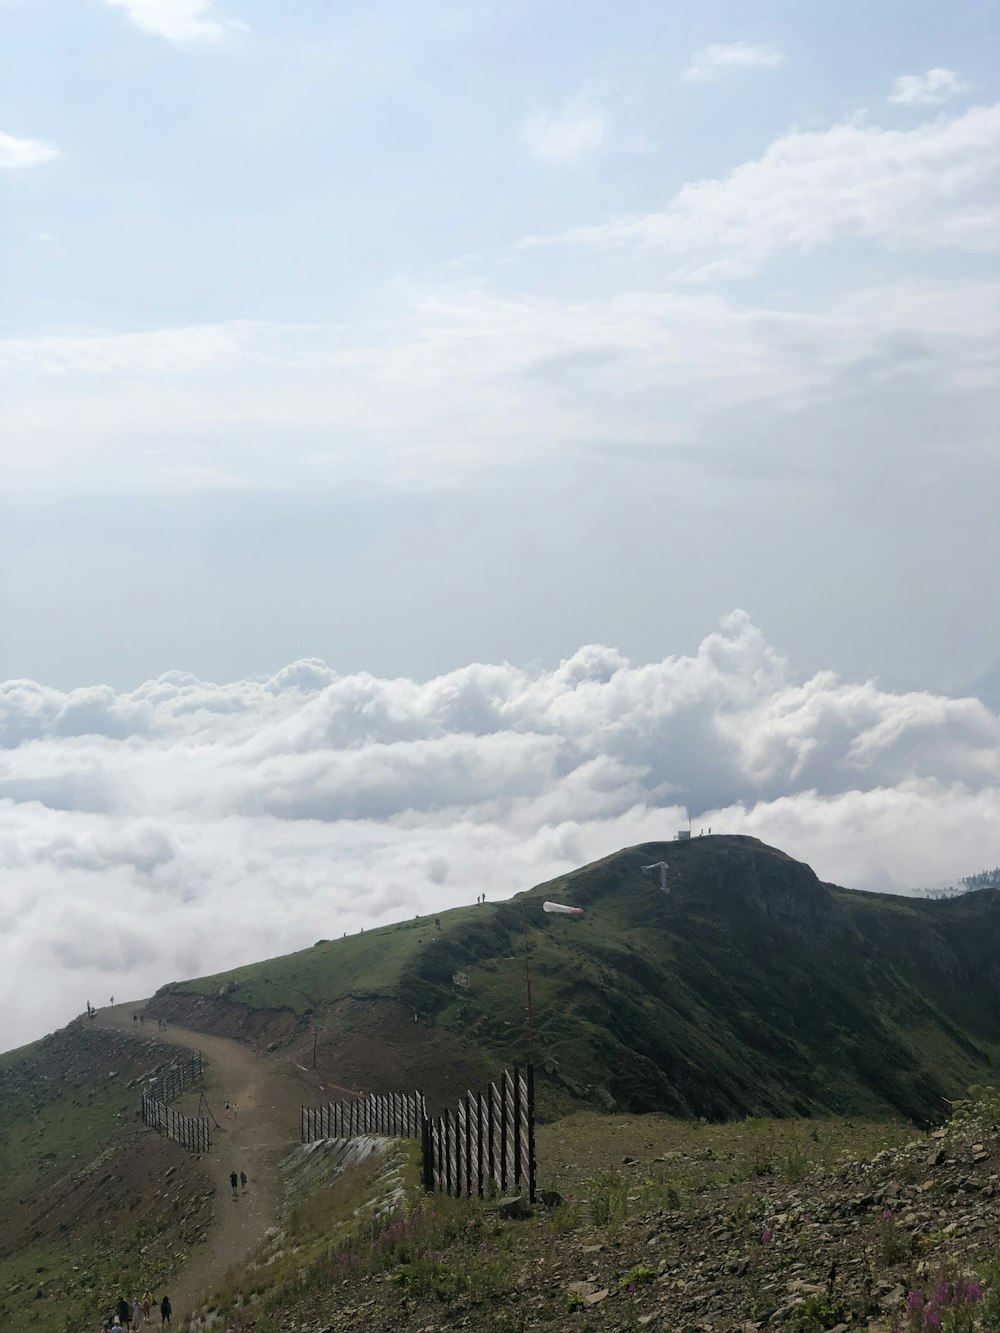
{"points": [[487, 1142], [191, 1132], [398, 1115]]}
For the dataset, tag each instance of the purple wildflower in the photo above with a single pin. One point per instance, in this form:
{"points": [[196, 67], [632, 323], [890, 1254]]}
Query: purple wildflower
{"points": [[931, 1317], [765, 1237], [886, 1214]]}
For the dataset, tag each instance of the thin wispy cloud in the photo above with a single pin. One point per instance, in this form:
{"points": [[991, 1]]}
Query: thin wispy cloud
{"points": [[714, 62], [930, 89], [411, 411], [930, 187], [183, 22], [18, 153], [566, 137]]}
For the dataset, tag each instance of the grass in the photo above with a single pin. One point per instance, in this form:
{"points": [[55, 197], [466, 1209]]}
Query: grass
{"points": [[681, 1157], [67, 1229], [750, 989], [345, 1231], [368, 1241], [369, 963]]}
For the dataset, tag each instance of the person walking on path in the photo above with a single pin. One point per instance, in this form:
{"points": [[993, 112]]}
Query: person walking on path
{"points": [[243, 1181], [165, 1310], [147, 1304], [122, 1311], [234, 1180], [136, 1312]]}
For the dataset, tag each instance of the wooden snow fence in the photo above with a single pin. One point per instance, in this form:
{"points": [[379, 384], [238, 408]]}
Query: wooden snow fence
{"points": [[396, 1115], [189, 1131], [485, 1145]]}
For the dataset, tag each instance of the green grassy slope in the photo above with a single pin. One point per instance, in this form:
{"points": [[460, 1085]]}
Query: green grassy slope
{"points": [[90, 1206], [368, 964], [750, 988]]}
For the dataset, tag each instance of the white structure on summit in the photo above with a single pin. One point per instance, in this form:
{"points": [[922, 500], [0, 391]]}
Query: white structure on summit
{"points": [[662, 867]]}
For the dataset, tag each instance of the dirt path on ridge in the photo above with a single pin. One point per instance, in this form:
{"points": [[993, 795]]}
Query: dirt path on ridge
{"points": [[268, 1096]]}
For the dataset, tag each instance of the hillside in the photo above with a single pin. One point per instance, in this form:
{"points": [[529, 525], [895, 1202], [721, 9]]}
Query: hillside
{"points": [[750, 988], [90, 1205]]}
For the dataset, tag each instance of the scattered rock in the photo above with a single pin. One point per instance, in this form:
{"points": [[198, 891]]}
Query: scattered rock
{"points": [[514, 1207]]}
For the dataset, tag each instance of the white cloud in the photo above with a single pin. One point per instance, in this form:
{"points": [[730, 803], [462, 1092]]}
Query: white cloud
{"points": [[566, 137], [16, 153], [185, 827], [929, 89], [712, 62], [182, 22], [930, 187]]}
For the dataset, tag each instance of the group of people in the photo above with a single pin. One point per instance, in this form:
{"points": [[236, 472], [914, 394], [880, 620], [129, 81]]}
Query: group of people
{"points": [[131, 1316], [138, 1017], [238, 1180]]}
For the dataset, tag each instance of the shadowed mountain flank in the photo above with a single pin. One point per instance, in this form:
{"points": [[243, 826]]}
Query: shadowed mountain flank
{"points": [[749, 987]]}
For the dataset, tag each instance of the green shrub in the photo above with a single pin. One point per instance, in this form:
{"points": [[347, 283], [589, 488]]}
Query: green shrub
{"points": [[607, 1199], [815, 1314]]}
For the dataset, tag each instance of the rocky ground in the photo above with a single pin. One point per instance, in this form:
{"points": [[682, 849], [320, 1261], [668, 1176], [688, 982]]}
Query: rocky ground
{"points": [[839, 1248]]}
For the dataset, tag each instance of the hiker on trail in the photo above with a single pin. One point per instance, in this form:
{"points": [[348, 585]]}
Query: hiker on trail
{"points": [[112, 999], [243, 1181], [136, 1312], [135, 1018], [147, 1304], [227, 1109], [122, 1311], [234, 1180], [236, 1109], [166, 1310]]}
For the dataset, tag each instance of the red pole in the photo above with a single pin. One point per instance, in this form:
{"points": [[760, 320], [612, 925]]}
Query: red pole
{"points": [[527, 987]]}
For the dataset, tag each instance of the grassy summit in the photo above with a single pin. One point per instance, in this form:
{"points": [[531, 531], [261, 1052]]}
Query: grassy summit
{"points": [[750, 988]]}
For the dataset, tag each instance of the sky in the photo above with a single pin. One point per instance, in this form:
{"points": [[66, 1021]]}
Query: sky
{"points": [[442, 443]]}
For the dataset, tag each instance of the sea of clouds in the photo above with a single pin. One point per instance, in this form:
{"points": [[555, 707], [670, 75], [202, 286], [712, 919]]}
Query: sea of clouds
{"points": [[185, 827]]}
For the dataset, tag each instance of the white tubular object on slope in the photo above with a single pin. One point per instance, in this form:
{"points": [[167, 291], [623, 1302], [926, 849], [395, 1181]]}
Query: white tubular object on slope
{"points": [[562, 909]]}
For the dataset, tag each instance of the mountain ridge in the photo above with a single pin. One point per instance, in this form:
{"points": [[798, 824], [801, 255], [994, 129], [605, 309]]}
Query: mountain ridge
{"points": [[751, 987]]}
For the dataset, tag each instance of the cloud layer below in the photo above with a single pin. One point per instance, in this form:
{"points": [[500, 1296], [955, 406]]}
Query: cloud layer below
{"points": [[187, 827]]}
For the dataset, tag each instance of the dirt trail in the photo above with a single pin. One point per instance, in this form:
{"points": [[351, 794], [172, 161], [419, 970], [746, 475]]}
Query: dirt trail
{"points": [[268, 1097]]}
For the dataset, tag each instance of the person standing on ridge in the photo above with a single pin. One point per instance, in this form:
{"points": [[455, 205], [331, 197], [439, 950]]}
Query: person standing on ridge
{"points": [[234, 1180]]}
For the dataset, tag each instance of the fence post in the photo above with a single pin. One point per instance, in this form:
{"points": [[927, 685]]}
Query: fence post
{"points": [[479, 1143], [503, 1132], [516, 1127], [468, 1147], [425, 1154], [530, 1089], [446, 1126]]}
